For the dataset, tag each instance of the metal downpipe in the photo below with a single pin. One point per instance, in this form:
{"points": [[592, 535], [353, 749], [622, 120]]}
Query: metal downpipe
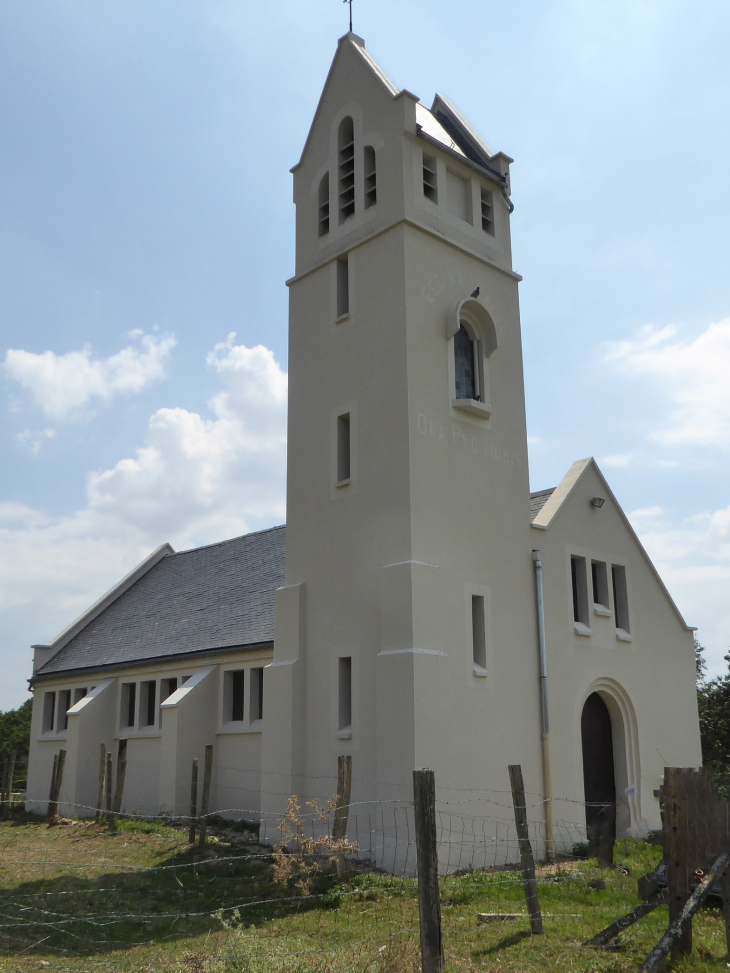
{"points": [[544, 712]]}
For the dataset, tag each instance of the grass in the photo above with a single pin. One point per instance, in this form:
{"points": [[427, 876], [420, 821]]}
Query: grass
{"points": [[78, 898]]}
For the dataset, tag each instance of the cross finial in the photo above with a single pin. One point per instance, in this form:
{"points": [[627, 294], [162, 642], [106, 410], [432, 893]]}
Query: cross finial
{"points": [[350, 2]]}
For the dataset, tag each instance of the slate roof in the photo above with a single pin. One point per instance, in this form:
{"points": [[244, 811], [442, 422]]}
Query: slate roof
{"points": [[207, 598], [538, 501]]}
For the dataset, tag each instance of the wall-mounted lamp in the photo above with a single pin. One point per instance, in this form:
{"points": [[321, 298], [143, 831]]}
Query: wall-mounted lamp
{"points": [[597, 501]]}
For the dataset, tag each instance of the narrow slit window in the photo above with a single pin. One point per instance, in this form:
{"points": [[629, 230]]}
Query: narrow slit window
{"points": [[599, 577], [430, 189], [167, 688], [343, 286], [343, 448], [323, 201], [580, 592], [371, 187], [79, 694], [620, 598], [345, 693], [64, 705], [478, 635], [346, 158], [257, 695], [49, 712], [465, 374], [236, 680], [129, 703], [487, 212], [148, 703]]}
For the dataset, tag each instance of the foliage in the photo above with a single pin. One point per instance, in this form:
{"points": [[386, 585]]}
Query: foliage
{"points": [[700, 663], [15, 735], [713, 700], [299, 858]]}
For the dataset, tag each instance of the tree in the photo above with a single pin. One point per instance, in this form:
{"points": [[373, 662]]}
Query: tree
{"points": [[713, 700], [15, 735]]}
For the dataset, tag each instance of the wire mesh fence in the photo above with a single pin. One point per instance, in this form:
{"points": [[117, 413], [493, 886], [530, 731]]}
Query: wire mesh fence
{"points": [[140, 896]]}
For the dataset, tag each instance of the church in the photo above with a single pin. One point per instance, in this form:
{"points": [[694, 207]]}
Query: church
{"points": [[421, 608]]}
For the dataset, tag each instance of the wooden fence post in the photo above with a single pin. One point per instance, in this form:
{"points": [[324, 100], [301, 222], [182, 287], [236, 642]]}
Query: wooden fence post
{"points": [[429, 902], [102, 775], [108, 789], [121, 774], [674, 839], [527, 861], [193, 801], [52, 791], [342, 807], [58, 765], [206, 792]]}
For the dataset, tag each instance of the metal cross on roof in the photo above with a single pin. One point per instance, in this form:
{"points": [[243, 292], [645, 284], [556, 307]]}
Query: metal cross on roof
{"points": [[350, 2]]}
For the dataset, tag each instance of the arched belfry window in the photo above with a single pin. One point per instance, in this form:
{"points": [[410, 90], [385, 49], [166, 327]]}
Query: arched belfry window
{"points": [[466, 377], [346, 162]]}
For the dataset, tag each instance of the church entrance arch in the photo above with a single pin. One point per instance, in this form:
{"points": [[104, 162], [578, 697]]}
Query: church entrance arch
{"points": [[599, 778]]}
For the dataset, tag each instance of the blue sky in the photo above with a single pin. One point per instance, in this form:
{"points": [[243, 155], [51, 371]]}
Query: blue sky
{"points": [[146, 216]]}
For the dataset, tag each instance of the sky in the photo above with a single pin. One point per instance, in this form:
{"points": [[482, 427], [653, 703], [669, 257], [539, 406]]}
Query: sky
{"points": [[147, 229]]}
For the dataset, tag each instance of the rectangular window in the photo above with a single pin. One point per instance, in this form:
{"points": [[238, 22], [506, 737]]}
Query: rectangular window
{"points": [[580, 592], [167, 688], [479, 642], [129, 704], [487, 212], [148, 709], [430, 190], [233, 695], [345, 692], [324, 205], [371, 190], [458, 195], [64, 705], [620, 597], [346, 140], [599, 576], [79, 694], [343, 287], [343, 448], [256, 711], [49, 711]]}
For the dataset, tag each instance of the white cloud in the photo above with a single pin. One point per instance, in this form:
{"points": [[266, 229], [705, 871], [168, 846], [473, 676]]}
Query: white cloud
{"points": [[62, 384], [692, 555], [32, 440], [197, 479], [692, 376], [618, 459]]}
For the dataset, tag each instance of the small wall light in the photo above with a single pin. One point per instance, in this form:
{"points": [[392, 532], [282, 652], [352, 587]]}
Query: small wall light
{"points": [[597, 501]]}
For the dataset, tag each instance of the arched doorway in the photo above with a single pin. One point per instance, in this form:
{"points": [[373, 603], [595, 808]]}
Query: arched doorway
{"points": [[598, 767]]}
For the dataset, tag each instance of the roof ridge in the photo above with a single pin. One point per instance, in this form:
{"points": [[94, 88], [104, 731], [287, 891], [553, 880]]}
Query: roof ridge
{"points": [[539, 493], [229, 540]]}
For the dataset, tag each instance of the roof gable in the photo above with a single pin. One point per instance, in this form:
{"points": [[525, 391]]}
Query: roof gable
{"points": [[211, 597], [558, 499]]}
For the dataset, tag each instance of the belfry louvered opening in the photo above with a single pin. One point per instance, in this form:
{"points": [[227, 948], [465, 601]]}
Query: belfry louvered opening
{"points": [[324, 205], [346, 144], [371, 189], [487, 212], [430, 190]]}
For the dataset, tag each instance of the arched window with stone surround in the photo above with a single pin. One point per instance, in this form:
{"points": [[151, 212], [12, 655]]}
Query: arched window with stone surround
{"points": [[473, 339]]}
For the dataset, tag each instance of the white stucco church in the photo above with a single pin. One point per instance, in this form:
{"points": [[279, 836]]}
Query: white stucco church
{"points": [[421, 608]]}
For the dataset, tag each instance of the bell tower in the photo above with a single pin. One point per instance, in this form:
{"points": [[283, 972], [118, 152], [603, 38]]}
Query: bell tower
{"points": [[405, 632]]}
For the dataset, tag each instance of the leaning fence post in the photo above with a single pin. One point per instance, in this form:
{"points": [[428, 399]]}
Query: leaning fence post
{"points": [[429, 902], [108, 789], [206, 792], [527, 861], [193, 801], [58, 765], [102, 775], [52, 791], [674, 840], [121, 774]]}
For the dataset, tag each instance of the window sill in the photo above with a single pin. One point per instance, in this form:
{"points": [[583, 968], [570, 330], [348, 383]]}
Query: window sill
{"points": [[472, 408], [343, 483], [580, 629], [345, 734], [480, 671], [622, 636], [602, 611], [341, 318]]}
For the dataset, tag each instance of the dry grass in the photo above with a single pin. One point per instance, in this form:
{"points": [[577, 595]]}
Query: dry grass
{"points": [[78, 898]]}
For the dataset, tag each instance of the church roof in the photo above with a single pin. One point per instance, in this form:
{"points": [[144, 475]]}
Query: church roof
{"points": [[214, 597], [538, 501]]}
